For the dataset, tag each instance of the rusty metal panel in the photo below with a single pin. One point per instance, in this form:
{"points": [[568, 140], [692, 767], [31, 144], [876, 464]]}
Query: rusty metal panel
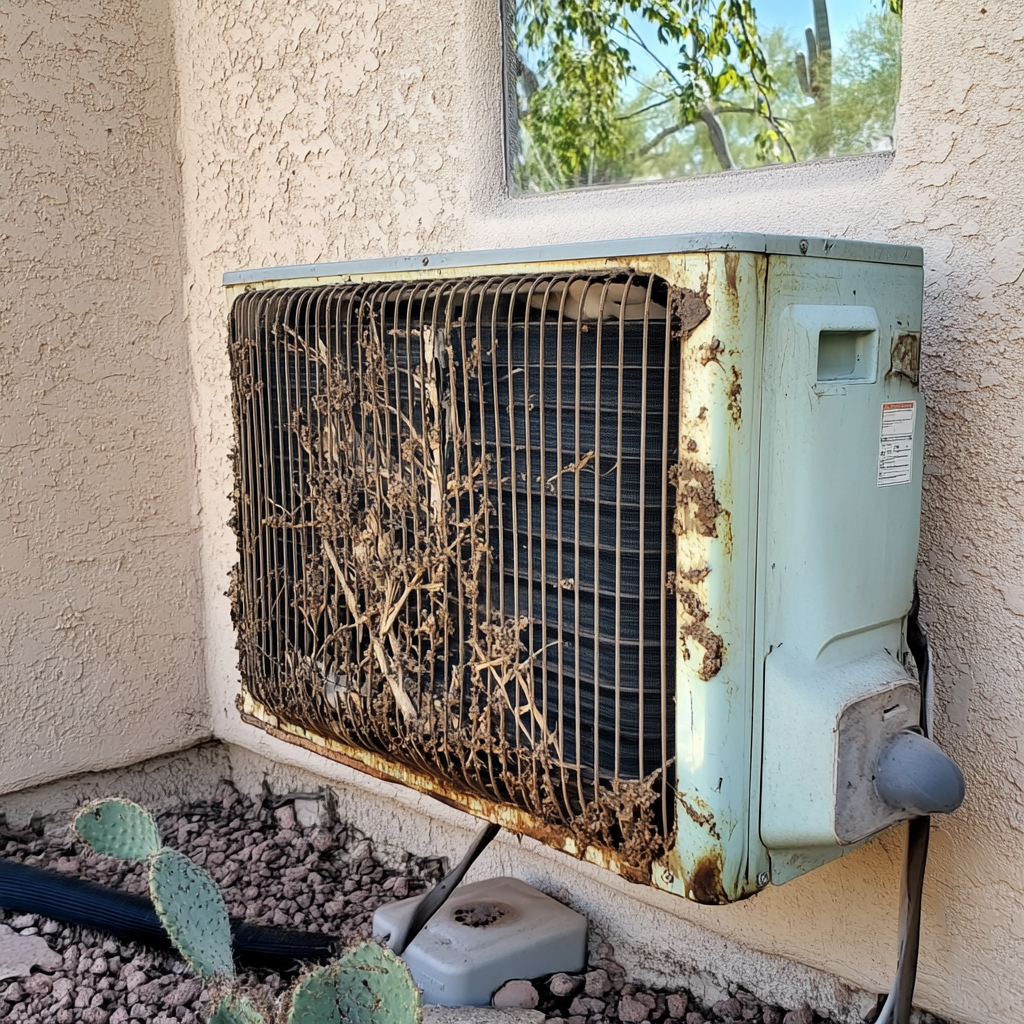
{"points": [[716, 857]]}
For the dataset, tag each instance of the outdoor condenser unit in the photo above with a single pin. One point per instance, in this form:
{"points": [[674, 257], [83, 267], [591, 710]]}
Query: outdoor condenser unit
{"points": [[612, 544]]}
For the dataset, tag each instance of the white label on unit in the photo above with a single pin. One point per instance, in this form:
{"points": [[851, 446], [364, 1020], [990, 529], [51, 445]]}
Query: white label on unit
{"points": [[896, 443]]}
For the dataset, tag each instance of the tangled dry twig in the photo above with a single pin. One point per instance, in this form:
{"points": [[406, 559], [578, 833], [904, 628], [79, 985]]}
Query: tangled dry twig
{"points": [[365, 605]]}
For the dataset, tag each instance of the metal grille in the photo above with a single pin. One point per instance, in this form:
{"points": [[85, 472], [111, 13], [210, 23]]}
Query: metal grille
{"points": [[455, 513]]}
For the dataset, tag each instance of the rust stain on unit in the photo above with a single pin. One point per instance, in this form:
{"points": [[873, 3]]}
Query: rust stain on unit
{"points": [[507, 815], [697, 509], [688, 310], [700, 814], [700, 881], [696, 502], [711, 352], [905, 356], [735, 389], [705, 882], [697, 629], [732, 263]]}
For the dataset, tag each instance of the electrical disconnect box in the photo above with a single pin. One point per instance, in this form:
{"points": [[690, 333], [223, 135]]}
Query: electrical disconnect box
{"points": [[612, 544]]}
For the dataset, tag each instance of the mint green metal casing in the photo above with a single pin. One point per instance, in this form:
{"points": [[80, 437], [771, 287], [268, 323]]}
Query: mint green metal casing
{"points": [[805, 581]]}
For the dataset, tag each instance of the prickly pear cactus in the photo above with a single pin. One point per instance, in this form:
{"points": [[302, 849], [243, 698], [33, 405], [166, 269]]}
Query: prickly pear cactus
{"points": [[236, 1009], [186, 898], [315, 997], [368, 985], [119, 828], [192, 912]]}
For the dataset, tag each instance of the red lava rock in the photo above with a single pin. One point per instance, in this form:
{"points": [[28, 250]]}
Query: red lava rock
{"points": [[694, 1018], [730, 1009], [62, 987], [773, 1015], [285, 815], [801, 1015], [37, 984], [635, 1008], [134, 978], [184, 993], [676, 1004], [597, 983], [562, 986], [14, 993], [519, 993]]}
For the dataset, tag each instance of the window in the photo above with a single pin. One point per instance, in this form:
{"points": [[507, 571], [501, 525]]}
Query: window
{"points": [[608, 91]]}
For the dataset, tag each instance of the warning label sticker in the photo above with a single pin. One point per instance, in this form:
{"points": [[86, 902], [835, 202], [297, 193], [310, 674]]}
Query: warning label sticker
{"points": [[896, 443]]}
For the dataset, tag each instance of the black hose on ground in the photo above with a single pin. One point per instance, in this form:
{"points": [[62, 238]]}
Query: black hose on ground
{"points": [[32, 890]]}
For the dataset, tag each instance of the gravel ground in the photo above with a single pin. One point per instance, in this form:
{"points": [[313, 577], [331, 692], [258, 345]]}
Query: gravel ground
{"points": [[272, 871]]}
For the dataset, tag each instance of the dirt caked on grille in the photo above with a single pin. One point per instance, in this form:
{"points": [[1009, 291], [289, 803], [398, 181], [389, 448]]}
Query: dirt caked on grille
{"points": [[455, 524]]}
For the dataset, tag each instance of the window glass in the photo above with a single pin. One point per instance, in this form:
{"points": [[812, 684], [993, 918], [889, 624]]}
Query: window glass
{"points": [[605, 91]]}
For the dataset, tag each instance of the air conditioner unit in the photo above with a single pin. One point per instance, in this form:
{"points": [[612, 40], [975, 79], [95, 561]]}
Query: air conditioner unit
{"points": [[612, 544]]}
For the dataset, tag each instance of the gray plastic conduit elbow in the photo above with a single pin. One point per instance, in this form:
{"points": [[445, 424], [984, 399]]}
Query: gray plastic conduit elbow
{"points": [[914, 776]]}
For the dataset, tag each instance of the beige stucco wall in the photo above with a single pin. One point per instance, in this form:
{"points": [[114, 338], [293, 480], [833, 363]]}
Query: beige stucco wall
{"points": [[100, 606], [328, 130]]}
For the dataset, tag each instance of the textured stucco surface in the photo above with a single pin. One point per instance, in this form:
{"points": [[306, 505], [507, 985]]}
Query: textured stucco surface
{"points": [[100, 646], [156, 783], [328, 130], [344, 131]]}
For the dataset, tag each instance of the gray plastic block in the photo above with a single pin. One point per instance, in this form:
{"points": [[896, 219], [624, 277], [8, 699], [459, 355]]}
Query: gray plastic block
{"points": [[486, 934]]}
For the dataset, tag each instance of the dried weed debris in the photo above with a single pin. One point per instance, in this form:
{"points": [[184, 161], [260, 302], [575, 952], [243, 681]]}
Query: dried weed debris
{"points": [[364, 601]]}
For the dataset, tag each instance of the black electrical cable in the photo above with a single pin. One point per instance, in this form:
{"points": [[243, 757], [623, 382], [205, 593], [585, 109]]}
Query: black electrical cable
{"points": [[899, 1003], [32, 890], [911, 888], [435, 899]]}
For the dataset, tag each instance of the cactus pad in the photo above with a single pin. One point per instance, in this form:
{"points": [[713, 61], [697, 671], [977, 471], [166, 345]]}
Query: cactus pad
{"points": [[315, 997], [236, 1009], [118, 828], [368, 985], [192, 912]]}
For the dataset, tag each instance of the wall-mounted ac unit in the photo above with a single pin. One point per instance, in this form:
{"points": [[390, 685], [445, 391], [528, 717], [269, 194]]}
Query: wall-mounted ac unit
{"points": [[612, 544]]}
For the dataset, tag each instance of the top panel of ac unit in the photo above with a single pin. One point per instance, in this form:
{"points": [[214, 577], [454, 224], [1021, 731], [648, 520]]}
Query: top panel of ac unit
{"points": [[782, 245]]}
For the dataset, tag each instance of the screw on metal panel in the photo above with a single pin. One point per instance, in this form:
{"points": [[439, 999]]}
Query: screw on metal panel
{"points": [[803, 246], [667, 877], [762, 878], [426, 260]]}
